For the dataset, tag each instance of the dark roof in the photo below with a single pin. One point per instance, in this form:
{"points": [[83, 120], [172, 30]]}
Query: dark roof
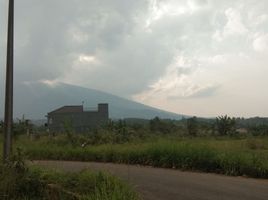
{"points": [[67, 109]]}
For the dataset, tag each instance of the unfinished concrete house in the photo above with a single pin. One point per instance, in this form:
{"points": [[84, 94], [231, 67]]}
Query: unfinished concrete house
{"points": [[76, 119]]}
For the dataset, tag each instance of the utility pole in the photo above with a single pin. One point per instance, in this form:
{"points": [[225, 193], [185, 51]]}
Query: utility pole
{"points": [[8, 120]]}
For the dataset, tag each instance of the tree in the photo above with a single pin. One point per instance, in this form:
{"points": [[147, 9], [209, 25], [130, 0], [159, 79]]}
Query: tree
{"points": [[225, 125], [161, 126], [192, 126], [23, 126], [1, 127]]}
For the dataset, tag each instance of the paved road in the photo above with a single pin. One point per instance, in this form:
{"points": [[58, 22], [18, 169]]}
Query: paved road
{"points": [[168, 184]]}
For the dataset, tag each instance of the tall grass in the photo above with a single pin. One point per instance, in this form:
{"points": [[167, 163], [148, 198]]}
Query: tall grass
{"points": [[208, 155], [19, 181], [38, 184]]}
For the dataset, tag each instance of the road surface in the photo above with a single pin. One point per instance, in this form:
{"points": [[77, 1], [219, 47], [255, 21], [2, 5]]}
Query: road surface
{"points": [[168, 184]]}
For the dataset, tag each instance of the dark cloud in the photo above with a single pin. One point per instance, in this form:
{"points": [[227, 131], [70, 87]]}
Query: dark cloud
{"points": [[50, 36], [128, 47]]}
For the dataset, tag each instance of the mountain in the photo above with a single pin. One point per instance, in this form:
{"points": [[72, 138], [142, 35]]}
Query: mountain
{"points": [[35, 100]]}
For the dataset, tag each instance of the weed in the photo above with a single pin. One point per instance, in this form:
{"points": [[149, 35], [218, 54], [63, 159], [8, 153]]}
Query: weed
{"points": [[17, 181]]}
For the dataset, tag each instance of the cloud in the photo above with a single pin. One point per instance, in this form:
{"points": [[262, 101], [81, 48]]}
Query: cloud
{"points": [[55, 45], [144, 49], [180, 82], [260, 44], [205, 91], [234, 24]]}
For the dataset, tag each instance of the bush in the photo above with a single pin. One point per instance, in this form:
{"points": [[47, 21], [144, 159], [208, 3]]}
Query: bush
{"points": [[192, 126], [226, 125], [259, 130], [168, 154], [17, 181], [161, 126]]}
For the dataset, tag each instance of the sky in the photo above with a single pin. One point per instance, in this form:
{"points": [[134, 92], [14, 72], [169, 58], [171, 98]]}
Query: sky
{"points": [[195, 57]]}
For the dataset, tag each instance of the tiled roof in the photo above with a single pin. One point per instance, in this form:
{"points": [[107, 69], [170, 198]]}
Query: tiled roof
{"points": [[68, 109]]}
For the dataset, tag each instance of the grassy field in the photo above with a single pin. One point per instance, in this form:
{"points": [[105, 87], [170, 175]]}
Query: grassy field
{"points": [[246, 156], [22, 183]]}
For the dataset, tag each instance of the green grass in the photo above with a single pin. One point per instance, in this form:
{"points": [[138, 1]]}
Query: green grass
{"points": [[230, 156], [38, 184]]}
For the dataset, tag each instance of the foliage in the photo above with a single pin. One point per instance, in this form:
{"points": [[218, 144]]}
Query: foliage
{"points": [[192, 126], [225, 125], [162, 143], [161, 126], [129, 129], [17, 181], [1, 126], [220, 155], [255, 144], [23, 126], [259, 130]]}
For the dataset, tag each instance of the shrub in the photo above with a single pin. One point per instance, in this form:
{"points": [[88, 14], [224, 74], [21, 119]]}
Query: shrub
{"points": [[192, 126], [225, 125], [17, 181]]}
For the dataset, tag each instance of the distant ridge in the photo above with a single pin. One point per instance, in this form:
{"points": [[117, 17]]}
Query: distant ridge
{"points": [[35, 100]]}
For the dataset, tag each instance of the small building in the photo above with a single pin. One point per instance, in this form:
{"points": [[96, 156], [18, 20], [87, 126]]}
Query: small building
{"points": [[76, 119]]}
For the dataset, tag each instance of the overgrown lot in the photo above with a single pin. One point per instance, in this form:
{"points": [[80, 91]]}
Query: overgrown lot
{"points": [[223, 145], [17, 181], [246, 156]]}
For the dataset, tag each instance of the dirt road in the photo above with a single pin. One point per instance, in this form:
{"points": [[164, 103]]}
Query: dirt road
{"points": [[168, 184]]}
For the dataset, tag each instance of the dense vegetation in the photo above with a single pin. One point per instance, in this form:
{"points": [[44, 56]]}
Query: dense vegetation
{"points": [[221, 126], [221, 155], [17, 181], [222, 145]]}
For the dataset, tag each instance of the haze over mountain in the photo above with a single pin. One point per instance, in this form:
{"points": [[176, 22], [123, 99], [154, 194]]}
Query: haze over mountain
{"points": [[36, 99], [197, 57]]}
